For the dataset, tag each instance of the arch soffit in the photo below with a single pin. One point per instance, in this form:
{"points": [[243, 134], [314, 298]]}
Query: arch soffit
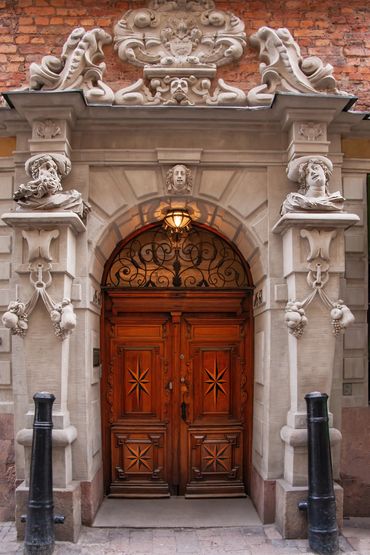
{"points": [[105, 234]]}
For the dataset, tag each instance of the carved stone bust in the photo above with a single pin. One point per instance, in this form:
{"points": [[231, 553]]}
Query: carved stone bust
{"points": [[312, 174], [44, 191], [179, 179]]}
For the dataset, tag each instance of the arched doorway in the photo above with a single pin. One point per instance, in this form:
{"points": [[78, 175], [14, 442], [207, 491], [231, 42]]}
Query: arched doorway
{"points": [[177, 366]]}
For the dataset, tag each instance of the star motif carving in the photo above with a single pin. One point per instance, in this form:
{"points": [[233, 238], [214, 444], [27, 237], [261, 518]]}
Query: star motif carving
{"points": [[216, 457], [139, 381], [215, 381], [138, 457]]}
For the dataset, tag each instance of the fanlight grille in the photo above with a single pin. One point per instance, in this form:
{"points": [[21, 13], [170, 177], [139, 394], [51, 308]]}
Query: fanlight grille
{"points": [[199, 259]]}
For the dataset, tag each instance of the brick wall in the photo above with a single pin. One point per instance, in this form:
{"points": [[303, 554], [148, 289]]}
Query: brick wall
{"points": [[338, 32]]}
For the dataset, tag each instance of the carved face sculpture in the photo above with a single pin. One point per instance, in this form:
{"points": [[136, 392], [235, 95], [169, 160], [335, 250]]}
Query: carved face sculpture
{"points": [[315, 180], [179, 176], [179, 89], [45, 174]]}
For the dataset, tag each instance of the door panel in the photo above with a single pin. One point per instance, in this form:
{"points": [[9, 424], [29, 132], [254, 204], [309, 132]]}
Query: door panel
{"points": [[139, 406], [176, 391], [215, 352]]}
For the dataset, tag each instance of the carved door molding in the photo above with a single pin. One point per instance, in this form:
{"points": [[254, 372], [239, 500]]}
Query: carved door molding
{"points": [[177, 392]]}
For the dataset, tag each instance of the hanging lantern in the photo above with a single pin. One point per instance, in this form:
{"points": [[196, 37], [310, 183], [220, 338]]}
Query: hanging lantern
{"points": [[177, 221]]}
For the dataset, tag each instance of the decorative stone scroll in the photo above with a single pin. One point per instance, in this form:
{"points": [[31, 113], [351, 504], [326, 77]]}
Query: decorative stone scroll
{"points": [[80, 66], [284, 70], [179, 44], [317, 277], [312, 173], [44, 191], [179, 180]]}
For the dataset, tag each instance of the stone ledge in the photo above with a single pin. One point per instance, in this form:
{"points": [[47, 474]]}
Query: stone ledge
{"points": [[60, 438], [316, 220], [44, 220]]}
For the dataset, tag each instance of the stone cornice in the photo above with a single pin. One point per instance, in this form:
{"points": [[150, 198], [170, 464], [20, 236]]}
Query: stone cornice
{"points": [[70, 106]]}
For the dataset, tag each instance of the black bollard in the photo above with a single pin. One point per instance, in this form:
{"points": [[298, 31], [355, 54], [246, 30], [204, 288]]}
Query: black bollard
{"points": [[39, 537], [320, 505]]}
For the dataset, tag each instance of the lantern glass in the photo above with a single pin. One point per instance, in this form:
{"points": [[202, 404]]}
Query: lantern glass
{"points": [[177, 220]]}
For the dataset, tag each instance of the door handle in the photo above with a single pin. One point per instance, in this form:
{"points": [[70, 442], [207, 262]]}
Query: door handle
{"points": [[184, 391], [183, 411]]}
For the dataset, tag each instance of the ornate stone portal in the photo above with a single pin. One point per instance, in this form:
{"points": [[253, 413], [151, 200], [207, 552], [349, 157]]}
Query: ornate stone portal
{"points": [[179, 45]]}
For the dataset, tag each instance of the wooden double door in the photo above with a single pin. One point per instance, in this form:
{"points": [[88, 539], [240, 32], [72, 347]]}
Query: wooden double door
{"points": [[177, 390]]}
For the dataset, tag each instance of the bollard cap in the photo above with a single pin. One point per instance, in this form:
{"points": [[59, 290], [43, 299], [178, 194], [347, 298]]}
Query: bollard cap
{"points": [[316, 395], [43, 396]]}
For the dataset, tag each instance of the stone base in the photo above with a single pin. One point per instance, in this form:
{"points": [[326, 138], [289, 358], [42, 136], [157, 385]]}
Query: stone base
{"points": [[7, 467], [290, 521], [263, 496], [92, 495], [67, 502]]}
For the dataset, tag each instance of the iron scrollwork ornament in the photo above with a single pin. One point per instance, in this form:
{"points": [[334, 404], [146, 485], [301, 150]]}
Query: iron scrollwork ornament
{"points": [[197, 259]]}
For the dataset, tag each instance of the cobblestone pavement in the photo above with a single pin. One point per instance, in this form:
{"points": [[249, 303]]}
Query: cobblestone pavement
{"points": [[263, 540]]}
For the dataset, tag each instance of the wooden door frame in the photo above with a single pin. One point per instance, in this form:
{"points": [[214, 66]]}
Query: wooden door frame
{"points": [[117, 303]]}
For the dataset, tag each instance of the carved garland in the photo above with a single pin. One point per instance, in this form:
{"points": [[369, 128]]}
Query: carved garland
{"points": [[61, 313], [317, 278]]}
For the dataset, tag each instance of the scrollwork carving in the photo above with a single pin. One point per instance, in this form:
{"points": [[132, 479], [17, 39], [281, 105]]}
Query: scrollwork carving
{"points": [[284, 70], [81, 65], [204, 37], [179, 45]]}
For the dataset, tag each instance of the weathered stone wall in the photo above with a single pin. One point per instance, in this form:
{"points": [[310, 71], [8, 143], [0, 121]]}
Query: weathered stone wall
{"points": [[355, 461], [338, 33], [7, 467]]}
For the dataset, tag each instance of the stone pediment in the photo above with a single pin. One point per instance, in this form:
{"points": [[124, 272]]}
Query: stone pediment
{"points": [[180, 44]]}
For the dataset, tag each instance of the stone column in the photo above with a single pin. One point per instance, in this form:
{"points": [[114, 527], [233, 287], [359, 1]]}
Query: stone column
{"points": [[44, 269], [313, 253]]}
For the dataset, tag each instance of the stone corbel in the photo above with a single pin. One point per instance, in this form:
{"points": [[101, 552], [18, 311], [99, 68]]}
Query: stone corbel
{"points": [[317, 277], [38, 241]]}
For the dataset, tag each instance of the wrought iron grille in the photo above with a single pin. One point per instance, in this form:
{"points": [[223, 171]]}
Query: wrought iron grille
{"points": [[198, 259]]}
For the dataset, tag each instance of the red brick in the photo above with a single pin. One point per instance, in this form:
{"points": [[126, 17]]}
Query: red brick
{"points": [[22, 39], [42, 20], [38, 40], [27, 29], [7, 48], [39, 11], [56, 21], [25, 20]]}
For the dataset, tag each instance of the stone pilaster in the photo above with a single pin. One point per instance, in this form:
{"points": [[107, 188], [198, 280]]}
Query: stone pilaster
{"points": [[313, 253], [44, 269]]}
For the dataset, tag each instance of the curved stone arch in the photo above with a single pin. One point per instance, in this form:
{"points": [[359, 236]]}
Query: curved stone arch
{"points": [[104, 235]]}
